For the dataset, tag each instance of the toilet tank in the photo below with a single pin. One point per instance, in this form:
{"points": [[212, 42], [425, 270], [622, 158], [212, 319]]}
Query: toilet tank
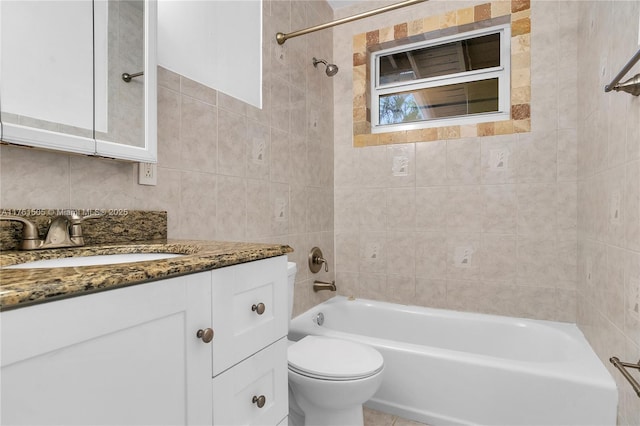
{"points": [[291, 280]]}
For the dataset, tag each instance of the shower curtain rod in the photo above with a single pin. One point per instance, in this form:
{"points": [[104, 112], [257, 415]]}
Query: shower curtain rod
{"points": [[282, 37], [630, 86]]}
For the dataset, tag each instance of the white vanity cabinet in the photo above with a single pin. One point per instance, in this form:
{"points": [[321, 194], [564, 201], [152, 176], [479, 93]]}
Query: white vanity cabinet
{"points": [[132, 356], [123, 357]]}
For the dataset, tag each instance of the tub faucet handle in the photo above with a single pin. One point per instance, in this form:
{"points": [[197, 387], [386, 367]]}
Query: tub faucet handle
{"points": [[316, 259], [326, 265]]}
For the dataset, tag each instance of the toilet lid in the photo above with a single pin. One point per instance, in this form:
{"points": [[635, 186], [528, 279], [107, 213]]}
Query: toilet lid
{"points": [[333, 359]]}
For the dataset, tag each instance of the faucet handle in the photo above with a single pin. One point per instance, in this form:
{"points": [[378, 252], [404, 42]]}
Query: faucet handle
{"points": [[30, 237], [316, 260], [76, 225], [76, 219]]}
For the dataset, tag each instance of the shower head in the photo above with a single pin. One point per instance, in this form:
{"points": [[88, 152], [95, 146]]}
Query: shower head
{"points": [[331, 69]]}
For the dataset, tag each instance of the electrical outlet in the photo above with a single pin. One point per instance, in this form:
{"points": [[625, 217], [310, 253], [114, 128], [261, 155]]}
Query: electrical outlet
{"points": [[147, 174]]}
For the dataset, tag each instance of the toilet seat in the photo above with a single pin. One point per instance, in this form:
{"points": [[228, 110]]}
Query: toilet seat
{"points": [[327, 358]]}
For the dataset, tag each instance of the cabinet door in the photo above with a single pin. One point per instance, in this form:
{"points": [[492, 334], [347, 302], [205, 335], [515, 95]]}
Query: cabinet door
{"points": [[121, 357], [241, 329], [47, 74]]}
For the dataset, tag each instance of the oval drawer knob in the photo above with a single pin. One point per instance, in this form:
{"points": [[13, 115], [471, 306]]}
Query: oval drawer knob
{"points": [[259, 308], [259, 400], [206, 335]]}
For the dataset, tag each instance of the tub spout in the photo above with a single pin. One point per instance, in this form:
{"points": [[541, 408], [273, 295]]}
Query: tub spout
{"points": [[322, 285]]}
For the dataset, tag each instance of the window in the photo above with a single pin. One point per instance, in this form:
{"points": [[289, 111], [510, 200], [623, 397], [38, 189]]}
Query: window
{"points": [[459, 79]]}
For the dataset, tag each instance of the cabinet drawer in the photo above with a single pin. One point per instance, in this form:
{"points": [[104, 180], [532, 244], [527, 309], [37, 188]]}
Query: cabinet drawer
{"points": [[240, 293], [262, 375]]}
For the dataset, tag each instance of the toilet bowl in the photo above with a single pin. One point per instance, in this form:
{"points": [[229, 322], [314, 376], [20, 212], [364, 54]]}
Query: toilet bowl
{"points": [[329, 379]]}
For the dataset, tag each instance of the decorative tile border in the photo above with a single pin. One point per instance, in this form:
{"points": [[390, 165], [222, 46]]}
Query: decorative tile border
{"points": [[518, 12]]}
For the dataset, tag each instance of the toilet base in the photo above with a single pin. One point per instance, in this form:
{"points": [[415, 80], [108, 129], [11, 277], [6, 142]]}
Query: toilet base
{"points": [[296, 415], [330, 403], [352, 416], [349, 417]]}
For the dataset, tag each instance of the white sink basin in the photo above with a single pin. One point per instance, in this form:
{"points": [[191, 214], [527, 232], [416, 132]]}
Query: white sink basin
{"points": [[103, 259]]}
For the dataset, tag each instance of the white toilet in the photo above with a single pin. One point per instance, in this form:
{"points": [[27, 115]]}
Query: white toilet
{"points": [[329, 379]]}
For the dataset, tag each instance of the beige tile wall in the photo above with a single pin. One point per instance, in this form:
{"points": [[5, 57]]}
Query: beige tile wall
{"points": [[404, 238], [521, 224], [208, 179], [608, 176]]}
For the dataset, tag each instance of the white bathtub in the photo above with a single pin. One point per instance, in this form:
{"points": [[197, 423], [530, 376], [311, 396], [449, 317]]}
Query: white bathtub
{"points": [[444, 367]]}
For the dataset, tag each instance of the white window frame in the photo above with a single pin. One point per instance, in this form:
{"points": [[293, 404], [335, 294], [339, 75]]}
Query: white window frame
{"points": [[502, 73]]}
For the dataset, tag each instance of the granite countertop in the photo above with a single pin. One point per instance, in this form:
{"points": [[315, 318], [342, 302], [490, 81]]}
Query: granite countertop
{"points": [[26, 287]]}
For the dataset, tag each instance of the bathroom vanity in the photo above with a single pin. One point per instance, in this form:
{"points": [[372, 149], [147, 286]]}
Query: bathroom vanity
{"points": [[196, 339]]}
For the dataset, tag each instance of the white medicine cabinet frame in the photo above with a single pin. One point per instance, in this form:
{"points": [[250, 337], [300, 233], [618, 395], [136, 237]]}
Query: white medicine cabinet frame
{"points": [[435, 86], [54, 93]]}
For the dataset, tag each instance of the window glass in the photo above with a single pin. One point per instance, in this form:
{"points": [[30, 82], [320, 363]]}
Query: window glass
{"points": [[453, 100], [449, 58], [460, 79]]}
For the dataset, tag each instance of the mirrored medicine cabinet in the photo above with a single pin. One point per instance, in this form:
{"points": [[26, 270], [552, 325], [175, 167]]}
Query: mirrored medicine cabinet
{"points": [[80, 76]]}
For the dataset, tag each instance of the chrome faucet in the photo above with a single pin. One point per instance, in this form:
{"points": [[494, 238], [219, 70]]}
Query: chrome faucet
{"points": [[64, 231]]}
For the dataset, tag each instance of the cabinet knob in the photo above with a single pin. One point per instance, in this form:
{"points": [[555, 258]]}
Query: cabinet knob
{"points": [[206, 335], [259, 308], [259, 400]]}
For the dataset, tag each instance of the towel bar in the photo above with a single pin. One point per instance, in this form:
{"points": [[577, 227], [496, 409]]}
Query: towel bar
{"points": [[622, 366], [127, 77]]}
